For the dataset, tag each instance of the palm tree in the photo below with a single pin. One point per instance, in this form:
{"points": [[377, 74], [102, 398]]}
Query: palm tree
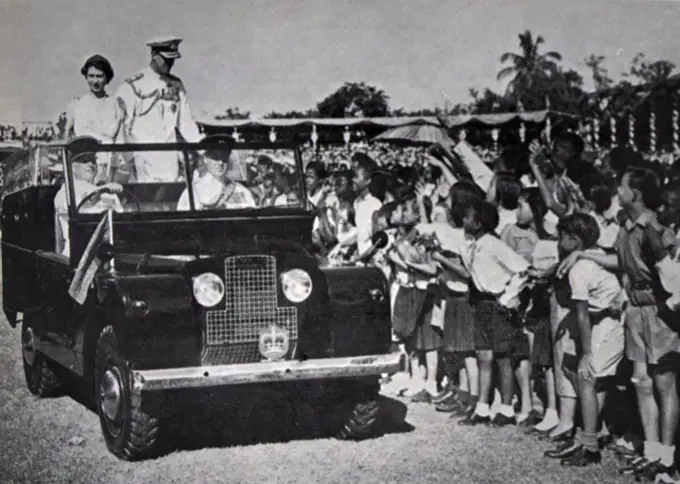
{"points": [[530, 68]]}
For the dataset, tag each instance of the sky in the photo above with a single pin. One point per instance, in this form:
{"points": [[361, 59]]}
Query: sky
{"points": [[264, 55]]}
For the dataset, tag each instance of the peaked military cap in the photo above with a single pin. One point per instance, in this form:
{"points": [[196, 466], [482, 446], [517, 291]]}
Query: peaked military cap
{"points": [[167, 47]]}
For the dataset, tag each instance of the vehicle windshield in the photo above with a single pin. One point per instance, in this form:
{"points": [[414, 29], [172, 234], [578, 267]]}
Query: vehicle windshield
{"points": [[156, 180]]}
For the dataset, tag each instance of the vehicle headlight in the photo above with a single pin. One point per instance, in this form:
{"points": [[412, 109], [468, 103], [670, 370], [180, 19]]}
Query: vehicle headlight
{"points": [[296, 284], [208, 289]]}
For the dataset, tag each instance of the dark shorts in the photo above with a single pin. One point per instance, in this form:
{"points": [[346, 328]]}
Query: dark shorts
{"points": [[459, 323], [542, 350], [496, 329]]}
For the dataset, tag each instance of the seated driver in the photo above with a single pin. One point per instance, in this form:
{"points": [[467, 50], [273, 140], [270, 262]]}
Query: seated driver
{"points": [[84, 168], [214, 189]]}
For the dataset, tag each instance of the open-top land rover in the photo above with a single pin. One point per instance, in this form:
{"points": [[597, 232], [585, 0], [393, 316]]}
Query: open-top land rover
{"points": [[142, 288]]}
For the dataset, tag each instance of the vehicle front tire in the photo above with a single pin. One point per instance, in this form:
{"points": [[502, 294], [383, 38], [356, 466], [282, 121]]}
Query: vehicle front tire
{"points": [[129, 432], [359, 420], [40, 377]]}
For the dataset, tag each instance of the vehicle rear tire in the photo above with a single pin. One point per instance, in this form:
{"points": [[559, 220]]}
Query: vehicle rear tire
{"points": [[360, 420], [130, 433], [41, 379]]}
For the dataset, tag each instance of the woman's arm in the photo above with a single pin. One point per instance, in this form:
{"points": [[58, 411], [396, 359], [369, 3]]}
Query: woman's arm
{"points": [[69, 122], [544, 189]]}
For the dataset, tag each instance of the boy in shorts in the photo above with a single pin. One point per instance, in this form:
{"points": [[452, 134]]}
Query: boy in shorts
{"points": [[652, 346], [597, 333]]}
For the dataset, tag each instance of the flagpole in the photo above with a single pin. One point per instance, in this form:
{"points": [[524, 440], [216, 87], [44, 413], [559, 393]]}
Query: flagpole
{"points": [[110, 221]]}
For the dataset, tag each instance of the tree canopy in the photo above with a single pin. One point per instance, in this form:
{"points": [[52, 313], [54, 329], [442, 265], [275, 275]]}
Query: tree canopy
{"points": [[535, 77]]}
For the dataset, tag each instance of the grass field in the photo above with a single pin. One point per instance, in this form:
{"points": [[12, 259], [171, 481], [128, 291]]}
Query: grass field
{"points": [[59, 441]]}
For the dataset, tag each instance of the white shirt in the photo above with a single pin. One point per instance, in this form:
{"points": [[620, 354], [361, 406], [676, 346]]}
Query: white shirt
{"points": [[209, 192], [594, 284], [364, 208], [609, 231], [80, 190], [492, 264], [155, 106], [505, 217]]}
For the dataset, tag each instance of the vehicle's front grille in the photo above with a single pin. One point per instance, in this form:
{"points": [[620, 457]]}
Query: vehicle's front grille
{"points": [[232, 334]]}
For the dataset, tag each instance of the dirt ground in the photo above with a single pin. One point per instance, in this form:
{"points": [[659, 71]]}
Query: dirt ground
{"points": [[59, 441]]}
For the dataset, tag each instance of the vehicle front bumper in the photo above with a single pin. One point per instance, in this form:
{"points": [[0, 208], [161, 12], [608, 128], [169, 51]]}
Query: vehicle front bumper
{"points": [[267, 372]]}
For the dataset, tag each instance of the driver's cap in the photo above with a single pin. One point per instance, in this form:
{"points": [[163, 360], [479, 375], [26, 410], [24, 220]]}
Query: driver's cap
{"points": [[217, 146], [82, 149]]}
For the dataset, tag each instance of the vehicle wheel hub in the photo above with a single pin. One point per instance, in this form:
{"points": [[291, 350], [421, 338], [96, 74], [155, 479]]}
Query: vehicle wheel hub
{"points": [[110, 390], [28, 346]]}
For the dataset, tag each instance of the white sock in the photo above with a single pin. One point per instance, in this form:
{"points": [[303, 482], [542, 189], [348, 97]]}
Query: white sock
{"points": [[550, 420], [507, 410], [482, 409], [667, 454], [650, 450]]}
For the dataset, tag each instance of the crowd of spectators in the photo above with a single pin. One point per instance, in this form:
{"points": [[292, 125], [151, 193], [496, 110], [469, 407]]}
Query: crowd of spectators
{"points": [[24, 134], [555, 289]]}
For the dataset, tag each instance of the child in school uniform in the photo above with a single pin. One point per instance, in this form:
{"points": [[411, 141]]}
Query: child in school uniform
{"points": [[523, 237], [411, 317], [458, 342], [597, 333], [496, 274]]}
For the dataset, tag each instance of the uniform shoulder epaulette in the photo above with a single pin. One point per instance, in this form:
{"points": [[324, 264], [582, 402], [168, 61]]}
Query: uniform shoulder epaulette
{"points": [[135, 77]]}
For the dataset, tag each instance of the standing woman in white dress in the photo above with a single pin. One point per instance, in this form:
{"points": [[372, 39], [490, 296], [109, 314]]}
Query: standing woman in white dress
{"points": [[96, 114]]}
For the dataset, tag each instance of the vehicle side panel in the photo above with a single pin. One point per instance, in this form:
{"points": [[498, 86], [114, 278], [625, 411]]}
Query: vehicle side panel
{"points": [[25, 230]]}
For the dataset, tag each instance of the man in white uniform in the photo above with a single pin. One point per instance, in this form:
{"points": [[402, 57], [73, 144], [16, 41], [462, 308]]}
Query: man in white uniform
{"points": [[157, 111]]}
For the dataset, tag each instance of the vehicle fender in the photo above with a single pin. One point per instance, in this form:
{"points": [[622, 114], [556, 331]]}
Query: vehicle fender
{"points": [[152, 317], [358, 310]]}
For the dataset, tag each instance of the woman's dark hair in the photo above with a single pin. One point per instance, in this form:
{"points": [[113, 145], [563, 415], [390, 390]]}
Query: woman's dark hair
{"points": [[532, 196], [507, 192], [623, 158], [485, 213], [584, 174], [387, 210], [318, 168], [436, 172], [514, 160], [647, 182], [365, 163], [581, 225], [601, 197], [470, 187], [98, 62], [461, 195], [406, 175], [379, 185], [575, 142]]}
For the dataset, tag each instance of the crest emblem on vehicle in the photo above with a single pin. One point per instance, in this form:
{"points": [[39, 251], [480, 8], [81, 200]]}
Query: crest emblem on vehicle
{"points": [[274, 342]]}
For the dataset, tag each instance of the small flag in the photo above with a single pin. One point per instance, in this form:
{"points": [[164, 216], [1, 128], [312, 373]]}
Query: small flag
{"points": [[89, 263]]}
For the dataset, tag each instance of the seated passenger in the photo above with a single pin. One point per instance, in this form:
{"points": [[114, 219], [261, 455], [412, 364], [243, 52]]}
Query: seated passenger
{"points": [[214, 190], [285, 182], [84, 167]]}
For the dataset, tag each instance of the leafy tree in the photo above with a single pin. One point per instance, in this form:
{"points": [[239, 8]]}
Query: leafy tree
{"points": [[354, 100], [529, 68], [649, 72], [310, 113], [600, 74], [489, 102], [233, 113]]}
